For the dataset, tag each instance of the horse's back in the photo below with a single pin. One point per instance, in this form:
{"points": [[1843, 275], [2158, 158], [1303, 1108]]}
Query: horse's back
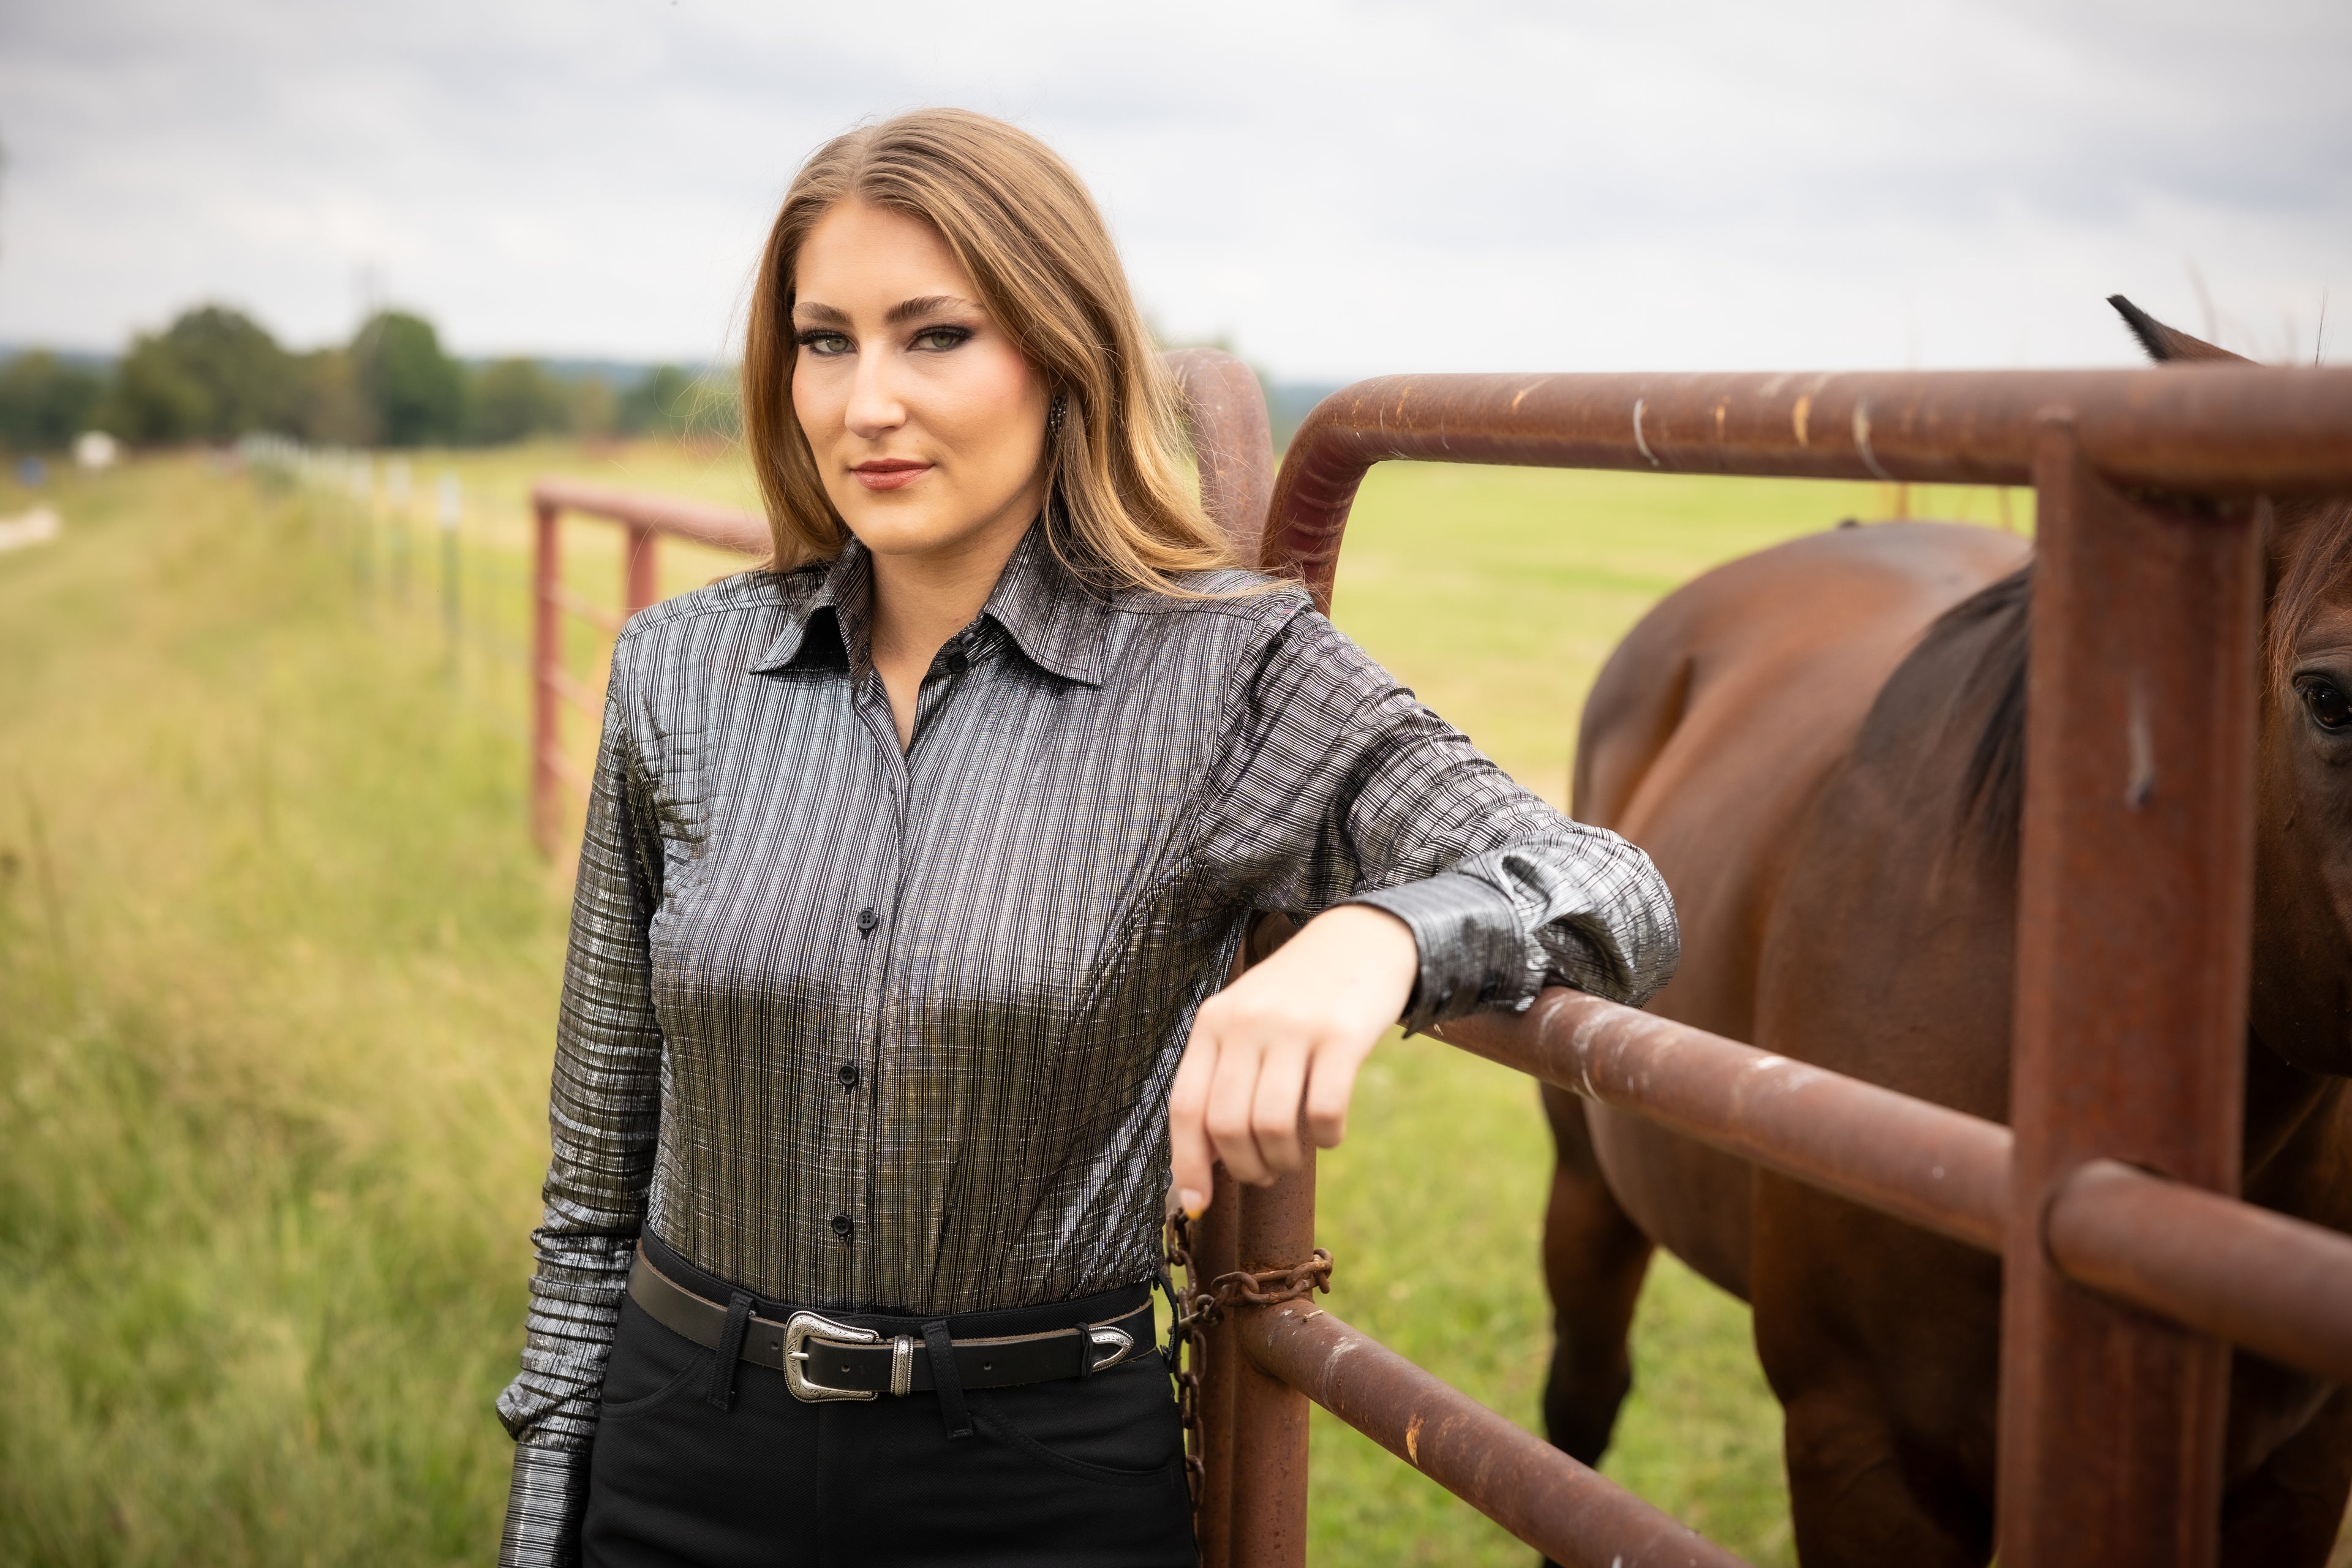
{"points": [[1708, 737]]}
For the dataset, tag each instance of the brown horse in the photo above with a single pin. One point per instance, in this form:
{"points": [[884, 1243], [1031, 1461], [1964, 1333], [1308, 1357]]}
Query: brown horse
{"points": [[1820, 745]]}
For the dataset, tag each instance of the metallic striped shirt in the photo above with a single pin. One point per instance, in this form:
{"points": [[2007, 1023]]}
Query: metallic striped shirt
{"points": [[856, 1027]]}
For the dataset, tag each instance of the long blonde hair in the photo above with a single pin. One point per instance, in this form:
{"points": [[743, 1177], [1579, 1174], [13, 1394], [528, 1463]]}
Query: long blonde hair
{"points": [[1118, 511]]}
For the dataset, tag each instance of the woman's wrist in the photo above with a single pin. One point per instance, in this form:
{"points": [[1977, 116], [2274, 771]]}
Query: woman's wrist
{"points": [[1273, 1058]]}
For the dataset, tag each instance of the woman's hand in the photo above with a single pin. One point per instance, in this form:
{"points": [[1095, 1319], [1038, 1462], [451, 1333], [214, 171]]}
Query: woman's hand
{"points": [[1281, 1045]]}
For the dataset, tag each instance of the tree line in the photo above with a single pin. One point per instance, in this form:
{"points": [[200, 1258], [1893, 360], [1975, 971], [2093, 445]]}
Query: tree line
{"points": [[215, 374]]}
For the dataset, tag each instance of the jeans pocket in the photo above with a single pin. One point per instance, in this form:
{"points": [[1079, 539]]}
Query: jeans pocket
{"points": [[649, 1367], [1119, 1428]]}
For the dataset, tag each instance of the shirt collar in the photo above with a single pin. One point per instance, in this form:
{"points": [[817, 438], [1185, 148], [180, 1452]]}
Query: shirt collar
{"points": [[1058, 624]]}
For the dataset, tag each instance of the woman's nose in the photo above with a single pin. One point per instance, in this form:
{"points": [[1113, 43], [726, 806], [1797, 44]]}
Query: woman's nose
{"points": [[875, 408]]}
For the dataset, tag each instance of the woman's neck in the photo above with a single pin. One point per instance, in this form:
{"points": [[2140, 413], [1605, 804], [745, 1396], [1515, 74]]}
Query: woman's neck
{"points": [[922, 600]]}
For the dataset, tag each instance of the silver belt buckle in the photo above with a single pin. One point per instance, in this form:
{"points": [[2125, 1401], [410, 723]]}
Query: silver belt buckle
{"points": [[1119, 1342], [801, 1327]]}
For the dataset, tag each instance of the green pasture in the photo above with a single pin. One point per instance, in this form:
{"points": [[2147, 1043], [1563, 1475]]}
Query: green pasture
{"points": [[277, 975]]}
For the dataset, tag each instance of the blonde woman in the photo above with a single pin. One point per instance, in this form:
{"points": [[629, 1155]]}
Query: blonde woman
{"points": [[891, 1018]]}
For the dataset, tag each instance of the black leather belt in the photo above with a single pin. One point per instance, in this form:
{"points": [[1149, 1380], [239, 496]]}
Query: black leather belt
{"points": [[823, 1357]]}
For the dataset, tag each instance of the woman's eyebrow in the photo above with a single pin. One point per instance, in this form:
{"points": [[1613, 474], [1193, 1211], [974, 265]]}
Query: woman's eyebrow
{"points": [[907, 309], [813, 311]]}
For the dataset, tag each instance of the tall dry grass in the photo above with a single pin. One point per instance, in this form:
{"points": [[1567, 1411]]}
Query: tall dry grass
{"points": [[275, 975]]}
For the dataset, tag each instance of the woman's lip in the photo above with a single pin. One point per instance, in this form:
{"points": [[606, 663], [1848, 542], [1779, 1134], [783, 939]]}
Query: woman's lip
{"points": [[889, 473]]}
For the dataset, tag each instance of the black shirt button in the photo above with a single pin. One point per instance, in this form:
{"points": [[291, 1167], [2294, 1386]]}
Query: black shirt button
{"points": [[866, 920], [848, 1074], [843, 1227], [958, 662]]}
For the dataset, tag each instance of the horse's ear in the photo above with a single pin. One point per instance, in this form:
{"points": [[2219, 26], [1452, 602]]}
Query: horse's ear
{"points": [[2165, 343]]}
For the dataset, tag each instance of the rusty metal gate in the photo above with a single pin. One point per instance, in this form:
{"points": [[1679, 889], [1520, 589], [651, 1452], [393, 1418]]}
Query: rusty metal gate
{"points": [[2130, 1268]]}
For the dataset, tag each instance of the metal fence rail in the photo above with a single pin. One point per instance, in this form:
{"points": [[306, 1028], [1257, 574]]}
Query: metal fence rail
{"points": [[646, 518]]}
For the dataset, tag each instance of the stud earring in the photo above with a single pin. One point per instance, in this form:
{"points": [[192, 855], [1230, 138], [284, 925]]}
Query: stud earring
{"points": [[1054, 418]]}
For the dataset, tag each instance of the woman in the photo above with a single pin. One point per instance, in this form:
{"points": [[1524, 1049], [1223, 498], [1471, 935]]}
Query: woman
{"points": [[909, 877]]}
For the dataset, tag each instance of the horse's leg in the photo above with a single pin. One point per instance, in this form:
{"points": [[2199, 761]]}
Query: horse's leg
{"points": [[1880, 1349], [1594, 1257], [2288, 1514]]}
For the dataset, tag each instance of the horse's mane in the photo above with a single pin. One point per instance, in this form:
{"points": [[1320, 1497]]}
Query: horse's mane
{"points": [[1992, 786]]}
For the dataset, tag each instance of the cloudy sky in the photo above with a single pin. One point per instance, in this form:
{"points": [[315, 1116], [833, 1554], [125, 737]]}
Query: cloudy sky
{"points": [[1339, 187]]}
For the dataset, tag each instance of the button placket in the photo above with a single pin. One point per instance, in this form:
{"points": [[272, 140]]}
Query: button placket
{"points": [[847, 1225]]}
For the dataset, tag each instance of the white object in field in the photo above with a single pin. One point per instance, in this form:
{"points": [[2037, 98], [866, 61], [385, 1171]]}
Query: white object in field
{"points": [[96, 449], [363, 479], [396, 481], [451, 503], [38, 526]]}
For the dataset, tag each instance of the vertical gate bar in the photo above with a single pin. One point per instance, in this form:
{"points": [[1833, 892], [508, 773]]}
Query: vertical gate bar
{"points": [[2135, 898], [1215, 1241], [546, 658], [641, 580], [1269, 1446]]}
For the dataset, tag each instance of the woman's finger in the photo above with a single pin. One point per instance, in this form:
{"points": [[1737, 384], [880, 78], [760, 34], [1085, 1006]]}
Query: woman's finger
{"points": [[1192, 1158], [1233, 1094], [1273, 1110], [1330, 1087]]}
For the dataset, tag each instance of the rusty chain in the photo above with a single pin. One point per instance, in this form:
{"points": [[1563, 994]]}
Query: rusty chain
{"points": [[1199, 1310]]}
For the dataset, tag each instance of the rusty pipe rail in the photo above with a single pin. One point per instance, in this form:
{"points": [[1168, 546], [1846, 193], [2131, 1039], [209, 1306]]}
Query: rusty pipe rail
{"points": [[1514, 1478], [1935, 1167], [2265, 1282], [2206, 428], [2272, 1284], [646, 517]]}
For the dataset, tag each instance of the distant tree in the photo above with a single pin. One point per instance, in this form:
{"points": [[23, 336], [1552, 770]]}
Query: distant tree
{"points": [[153, 398], [515, 399], [656, 406], [248, 382], [214, 375], [44, 403], [672, 401], [414, 393]]}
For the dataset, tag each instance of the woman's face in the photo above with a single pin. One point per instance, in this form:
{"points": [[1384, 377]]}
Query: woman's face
{"points": [[927, 423]]}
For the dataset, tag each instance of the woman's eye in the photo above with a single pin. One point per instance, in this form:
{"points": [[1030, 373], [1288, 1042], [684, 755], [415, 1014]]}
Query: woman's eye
{"points": [[940, 338], [2329, 706], [825, 345]]}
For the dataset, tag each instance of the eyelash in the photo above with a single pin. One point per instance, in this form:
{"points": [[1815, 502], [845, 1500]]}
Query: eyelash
{"points": [[957, 336]]}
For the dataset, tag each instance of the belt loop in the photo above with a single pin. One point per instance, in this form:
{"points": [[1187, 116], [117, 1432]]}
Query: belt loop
{"points": [[1086, 1350], [1173, 1353], [946, 1380], [729, 1353]]}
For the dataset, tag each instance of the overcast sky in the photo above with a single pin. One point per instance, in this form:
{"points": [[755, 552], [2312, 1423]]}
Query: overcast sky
{"points": [[1339, 189]]}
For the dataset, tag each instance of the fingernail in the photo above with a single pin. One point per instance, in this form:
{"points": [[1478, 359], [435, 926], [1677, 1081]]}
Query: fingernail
{"points": [[1191, 1201]]}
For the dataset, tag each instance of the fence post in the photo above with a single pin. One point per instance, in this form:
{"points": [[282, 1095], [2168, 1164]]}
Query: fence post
{"points": [[1215, 1251], [2135, 901], [1269, 1416], [546, 659], [640, 575]]}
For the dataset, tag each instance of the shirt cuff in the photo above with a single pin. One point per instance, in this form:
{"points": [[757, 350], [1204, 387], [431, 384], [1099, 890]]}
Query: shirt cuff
{"points": [[544, 1502], [1472, 953]]}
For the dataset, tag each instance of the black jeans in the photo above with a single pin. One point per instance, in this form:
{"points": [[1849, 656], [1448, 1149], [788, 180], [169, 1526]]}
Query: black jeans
{"points": [[1075, 1472]]}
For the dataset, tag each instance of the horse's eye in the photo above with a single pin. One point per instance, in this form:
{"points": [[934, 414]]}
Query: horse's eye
{"points": [[2329, 707]]}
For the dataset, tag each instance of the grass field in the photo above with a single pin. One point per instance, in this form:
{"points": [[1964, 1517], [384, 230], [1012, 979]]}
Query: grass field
{"points": [[278, 970]]}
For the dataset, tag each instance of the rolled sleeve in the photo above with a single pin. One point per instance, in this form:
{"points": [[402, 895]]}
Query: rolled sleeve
{"points": [[1472, 952]]}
